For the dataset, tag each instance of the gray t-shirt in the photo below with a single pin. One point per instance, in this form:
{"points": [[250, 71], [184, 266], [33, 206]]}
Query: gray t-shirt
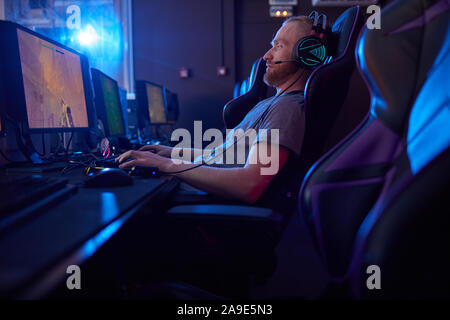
{"points": [[287, 115], [284, 114]]}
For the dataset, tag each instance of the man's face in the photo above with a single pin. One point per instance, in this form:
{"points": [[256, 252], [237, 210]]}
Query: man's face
{"points": [[282, 46]]}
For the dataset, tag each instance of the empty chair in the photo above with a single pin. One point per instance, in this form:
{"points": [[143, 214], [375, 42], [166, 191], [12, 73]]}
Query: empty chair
{"points": [[374, 198]]}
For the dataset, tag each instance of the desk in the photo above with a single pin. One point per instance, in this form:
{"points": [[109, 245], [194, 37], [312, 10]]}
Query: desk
{"points": [[34, 256]]}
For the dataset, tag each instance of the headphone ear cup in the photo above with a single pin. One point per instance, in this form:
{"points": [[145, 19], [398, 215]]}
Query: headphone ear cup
{"points": [[310, 52]]}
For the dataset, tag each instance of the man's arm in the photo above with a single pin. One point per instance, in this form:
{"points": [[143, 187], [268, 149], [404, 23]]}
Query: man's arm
{"points": [[245, 184], [166, 151]]}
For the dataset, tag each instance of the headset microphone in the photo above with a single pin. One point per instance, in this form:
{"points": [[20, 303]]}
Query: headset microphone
{"points": [[283, 61]]}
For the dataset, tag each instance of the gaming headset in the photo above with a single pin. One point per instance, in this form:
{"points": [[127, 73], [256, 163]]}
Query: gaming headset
{"points": [[311, 51]]}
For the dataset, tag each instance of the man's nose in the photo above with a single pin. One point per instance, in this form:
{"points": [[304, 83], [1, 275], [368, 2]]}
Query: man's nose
{"points": [[268, 55]]}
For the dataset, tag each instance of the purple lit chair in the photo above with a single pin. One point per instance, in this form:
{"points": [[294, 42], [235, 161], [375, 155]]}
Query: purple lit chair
{"points": [[381, 196]]}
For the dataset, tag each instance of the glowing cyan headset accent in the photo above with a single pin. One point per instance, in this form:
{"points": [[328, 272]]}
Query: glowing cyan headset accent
{"points": [[316, 50], [311, 52]]}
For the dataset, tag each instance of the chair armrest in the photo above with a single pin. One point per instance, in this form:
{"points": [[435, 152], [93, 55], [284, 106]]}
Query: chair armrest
{"points": [[226, 212]]}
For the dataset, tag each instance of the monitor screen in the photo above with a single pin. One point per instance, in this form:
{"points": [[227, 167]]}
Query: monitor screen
{"points": [[112, 106], [53, 84], [156, 104]]}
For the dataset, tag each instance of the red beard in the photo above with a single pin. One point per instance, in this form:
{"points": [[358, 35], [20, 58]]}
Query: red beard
{"points": [[274, 78]]}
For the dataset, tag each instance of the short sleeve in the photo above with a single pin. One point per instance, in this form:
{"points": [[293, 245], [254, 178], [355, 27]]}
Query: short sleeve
{"points": [[286, 116]]}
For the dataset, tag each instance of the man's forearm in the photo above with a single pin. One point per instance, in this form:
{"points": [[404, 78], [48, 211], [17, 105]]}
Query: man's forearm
{"points": [[231, 183], [192, 152]]}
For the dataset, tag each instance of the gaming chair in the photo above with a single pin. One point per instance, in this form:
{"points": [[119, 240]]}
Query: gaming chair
{"points": [[380, 197], [320, 108]]}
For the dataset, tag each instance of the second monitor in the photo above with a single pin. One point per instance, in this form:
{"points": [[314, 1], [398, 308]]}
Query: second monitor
{"points": [[107, 104]]}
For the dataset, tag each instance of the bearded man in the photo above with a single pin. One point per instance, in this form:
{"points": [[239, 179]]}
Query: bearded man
{"points": [[282, 113]]}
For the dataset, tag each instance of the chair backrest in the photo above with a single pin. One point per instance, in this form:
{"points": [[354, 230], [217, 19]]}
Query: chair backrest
{"points": [[327, 87], [358, 198], [237, 90], [236, 109]]}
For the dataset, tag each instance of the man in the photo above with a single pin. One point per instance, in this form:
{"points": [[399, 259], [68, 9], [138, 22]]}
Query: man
{"points": [[283, 112]]}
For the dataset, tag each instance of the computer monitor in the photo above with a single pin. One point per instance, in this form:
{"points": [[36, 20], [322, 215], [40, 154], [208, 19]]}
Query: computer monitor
{"points": [[151, 102], [107, 104], [172, 106], [46, 85]]}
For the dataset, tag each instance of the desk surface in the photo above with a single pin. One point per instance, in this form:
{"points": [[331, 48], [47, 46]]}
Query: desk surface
{"points": [[35, 255]]}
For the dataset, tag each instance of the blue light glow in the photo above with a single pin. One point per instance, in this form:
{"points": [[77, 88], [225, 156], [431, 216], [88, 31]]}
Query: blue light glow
{"points": [[428, 133], [100, 36], [109, 206], [88, 36], [96, 242]]}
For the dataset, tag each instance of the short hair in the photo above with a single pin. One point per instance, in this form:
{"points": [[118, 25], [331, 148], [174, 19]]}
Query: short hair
{"points": [[305, 22]]}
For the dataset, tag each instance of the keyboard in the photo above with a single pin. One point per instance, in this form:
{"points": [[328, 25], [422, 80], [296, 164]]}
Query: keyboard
{"points": [[36, 167], [21, 197]]}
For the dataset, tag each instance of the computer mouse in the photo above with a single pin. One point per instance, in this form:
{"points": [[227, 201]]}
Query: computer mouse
{"points": [[108, 178]]}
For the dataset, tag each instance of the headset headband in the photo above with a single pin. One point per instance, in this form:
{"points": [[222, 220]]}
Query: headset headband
{"points": [[320, 23], [311, 51]]}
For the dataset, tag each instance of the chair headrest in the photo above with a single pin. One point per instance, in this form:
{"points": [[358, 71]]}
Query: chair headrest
{"points": [[343, 29], [235, 110]]}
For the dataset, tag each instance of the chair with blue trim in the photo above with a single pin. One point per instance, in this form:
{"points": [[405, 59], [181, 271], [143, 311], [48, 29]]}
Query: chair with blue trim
{"points": [[378, 202]]}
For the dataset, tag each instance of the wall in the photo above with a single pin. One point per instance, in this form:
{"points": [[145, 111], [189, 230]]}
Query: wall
{"points": [[174, 33]]}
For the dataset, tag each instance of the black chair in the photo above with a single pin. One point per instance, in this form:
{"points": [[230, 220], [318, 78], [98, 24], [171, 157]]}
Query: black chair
{"points": [[236, 109], [380, 197]]}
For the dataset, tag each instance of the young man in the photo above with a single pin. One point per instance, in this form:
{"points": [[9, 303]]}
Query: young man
{"points": [[284, 112]]}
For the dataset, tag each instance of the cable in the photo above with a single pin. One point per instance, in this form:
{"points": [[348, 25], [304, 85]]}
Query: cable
{"points": [[68, 144], [30, 143], [21, 145], [18, 135]]}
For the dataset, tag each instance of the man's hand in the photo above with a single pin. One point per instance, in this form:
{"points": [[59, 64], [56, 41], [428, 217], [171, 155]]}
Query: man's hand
{"points": [[143, 158], [163, 151]]}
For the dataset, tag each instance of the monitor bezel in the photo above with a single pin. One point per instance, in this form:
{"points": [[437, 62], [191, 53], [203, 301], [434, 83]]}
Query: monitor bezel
{"points": [[14, 88], [171, 94], [2, 122], [99, 100], [142, 93]]}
